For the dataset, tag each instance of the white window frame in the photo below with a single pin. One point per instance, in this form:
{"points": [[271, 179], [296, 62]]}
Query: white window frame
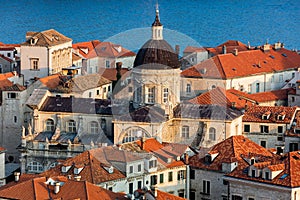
{"points": [[35, 166], [185, 132], [49, 125], [94, 127], [71, 126], [165, 95], [206, 187], [188, 88], [150, 95], [34, 64], [212, 134]]}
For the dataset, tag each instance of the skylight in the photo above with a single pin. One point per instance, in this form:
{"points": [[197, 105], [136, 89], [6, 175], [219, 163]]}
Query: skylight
{"points": [[273, 57], [283, 176], [284, 55]]}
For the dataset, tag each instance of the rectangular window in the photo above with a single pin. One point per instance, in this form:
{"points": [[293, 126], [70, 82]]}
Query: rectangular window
{"points": [[166, 95], [247, 128], [185, 132], [257, 87], [161, 178], [107, 65], [293, 146], [12, 95], [150, 95], [280, 78], [181, 175], [139, 184], [206, 187], [98, 92], [279, 138], [264, 129], [188, 88], [192, 174], [267, 174], [170, 176], [15, 119], [139, 168], [250, 88], [236, 197], [34, 64], [280, 129], [130, 188], [152, 163], [90, 94], [263, 143], [130, 169], [8, 54], [153, 179]]}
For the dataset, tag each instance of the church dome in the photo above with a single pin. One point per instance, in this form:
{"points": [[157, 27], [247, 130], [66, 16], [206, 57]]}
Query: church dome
{"points": [[156, 54]]}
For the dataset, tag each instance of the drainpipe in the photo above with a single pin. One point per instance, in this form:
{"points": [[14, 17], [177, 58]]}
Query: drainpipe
{"points": [[264, 82]]}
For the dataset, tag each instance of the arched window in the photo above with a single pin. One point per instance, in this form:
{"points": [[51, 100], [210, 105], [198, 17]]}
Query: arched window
{"points": [[71, 126], [185, 132], [134, 133], [35, 167], [94, 127], [50, 125], [212, 133]]}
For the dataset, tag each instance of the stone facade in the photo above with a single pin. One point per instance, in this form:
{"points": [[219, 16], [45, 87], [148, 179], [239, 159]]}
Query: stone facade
{"points": [[40, 58]]}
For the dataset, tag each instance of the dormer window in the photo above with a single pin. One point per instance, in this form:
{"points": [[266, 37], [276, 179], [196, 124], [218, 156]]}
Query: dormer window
{"points": [[253, 173], [65, 169], [267, 175], [252, 161], [33, 41], [77, 170], [281, 116], [266, 115]]}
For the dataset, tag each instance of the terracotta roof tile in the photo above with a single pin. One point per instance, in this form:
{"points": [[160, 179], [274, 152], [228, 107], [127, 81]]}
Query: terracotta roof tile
{"points": [[246, 63], [93, 168], [86, 49], [46, 38], [43, 188], [255, 113], [111, 73], [222, 97], [231, 149], [288, 163], [191, 49]]}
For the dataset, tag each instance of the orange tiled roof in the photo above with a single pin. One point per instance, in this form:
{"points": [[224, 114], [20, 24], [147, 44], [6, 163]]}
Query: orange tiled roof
{"points": [[191, 49], [93, 170], [255, 113], [51, 81], [274, 95], [86, 49], [246, 63], [230, 150], [230, 46], [111, 73], [150, 144], [38, 188], [167, 196], [289, 177], [222, 97]]}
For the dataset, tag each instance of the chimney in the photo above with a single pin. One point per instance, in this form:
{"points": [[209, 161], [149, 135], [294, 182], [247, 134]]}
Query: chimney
{"points": [[277, 45], [17, 176], [142, 143], [224, 49], [235, 52], [56, 187], [77, 178], [177, 49], [186, 158], [118, 68]]}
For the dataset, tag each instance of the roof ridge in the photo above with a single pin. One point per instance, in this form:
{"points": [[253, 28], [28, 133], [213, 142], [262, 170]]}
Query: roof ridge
{"points": [[90, 157]]}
